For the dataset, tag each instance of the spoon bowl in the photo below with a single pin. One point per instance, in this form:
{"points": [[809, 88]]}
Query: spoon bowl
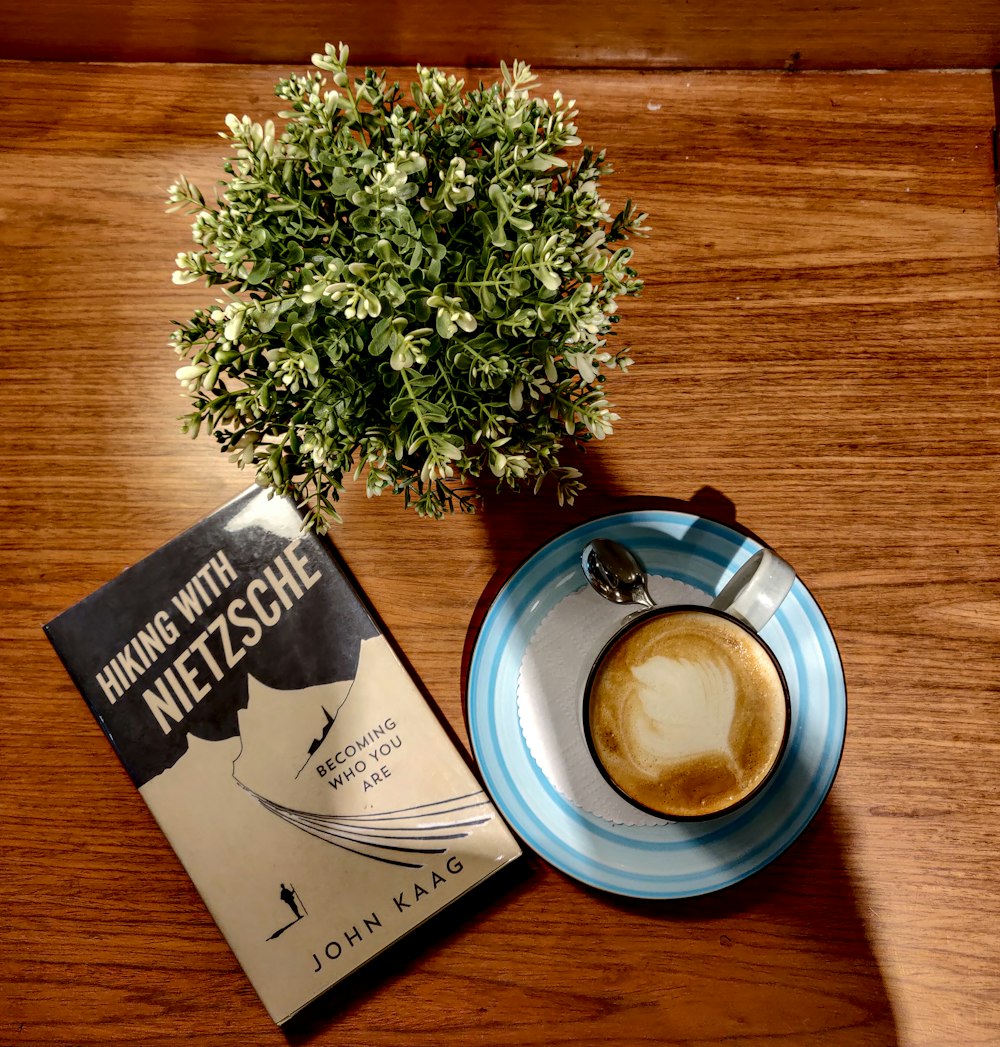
{"points": [[615, 572]]}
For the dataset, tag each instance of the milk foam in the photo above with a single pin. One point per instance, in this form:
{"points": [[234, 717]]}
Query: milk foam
{"points": [[687, 713], [684, 709]]}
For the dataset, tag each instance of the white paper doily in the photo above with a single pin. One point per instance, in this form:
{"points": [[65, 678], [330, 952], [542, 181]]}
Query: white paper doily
{"points": [[550, 688]]}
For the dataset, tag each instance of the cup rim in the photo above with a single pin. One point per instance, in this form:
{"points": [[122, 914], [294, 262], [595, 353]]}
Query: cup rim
{"points": [[619, 634]]}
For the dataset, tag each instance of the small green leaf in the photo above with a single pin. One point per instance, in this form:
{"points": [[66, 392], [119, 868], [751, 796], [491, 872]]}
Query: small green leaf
{"points": [[446, 327], [381, 337], [395, 293], [384, 251], [235, 326], [343, 187], [499, 200], [259, 272], [300, 333], [363, 221]]}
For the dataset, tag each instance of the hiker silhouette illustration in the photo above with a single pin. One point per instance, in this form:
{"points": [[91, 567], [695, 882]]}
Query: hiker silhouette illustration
{"points": [[288, 897]]}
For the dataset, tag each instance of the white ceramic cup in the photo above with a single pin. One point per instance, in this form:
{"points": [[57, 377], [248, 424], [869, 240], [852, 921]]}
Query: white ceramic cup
{"points": [[637, 727]]}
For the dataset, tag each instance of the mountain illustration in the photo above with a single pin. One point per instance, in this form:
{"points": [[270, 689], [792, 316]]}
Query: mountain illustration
{"points": [[327, 724], [345, 793]]}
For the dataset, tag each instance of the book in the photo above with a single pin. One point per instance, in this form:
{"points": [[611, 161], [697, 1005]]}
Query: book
{"points": [[291, 760]]}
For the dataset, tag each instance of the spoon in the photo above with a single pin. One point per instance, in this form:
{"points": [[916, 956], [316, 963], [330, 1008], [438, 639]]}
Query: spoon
{"points": [[615, 573]]}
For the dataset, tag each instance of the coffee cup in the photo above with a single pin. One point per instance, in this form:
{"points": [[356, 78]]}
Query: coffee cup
{"points": [[686, 709]]}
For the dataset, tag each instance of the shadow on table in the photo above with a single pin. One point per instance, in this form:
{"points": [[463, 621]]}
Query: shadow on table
{"points": [[791, 942], [516, 524], [782, 955]]}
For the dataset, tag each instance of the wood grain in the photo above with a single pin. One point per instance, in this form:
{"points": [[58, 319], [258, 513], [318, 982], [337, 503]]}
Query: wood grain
{"points": [[816, 352], [695, 34]]}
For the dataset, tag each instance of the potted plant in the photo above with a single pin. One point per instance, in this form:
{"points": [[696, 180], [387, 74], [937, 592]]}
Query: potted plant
{"points": [[416, 291]]}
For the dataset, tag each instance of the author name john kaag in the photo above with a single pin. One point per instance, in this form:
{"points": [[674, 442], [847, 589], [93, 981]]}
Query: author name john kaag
{"points": [[369, 926]]}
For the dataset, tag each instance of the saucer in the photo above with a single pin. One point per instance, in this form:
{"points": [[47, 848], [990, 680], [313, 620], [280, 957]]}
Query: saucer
{"points": [[582, 839]]}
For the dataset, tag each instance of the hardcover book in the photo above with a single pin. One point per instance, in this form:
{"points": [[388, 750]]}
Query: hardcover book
{"points": [[290, 759]]}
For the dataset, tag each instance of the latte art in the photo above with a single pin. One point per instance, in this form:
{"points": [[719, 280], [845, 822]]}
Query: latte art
{"points": [[687, 713], [683, 709]]}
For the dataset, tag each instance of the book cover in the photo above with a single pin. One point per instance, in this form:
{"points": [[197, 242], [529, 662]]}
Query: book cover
{"points": [[316, 802]]}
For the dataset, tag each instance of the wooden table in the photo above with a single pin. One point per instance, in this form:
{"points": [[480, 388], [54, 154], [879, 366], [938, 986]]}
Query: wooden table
{"points": [[816, 352]]}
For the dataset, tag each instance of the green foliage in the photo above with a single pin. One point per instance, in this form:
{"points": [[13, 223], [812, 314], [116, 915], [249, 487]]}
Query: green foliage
{"points": [[416, 293]]}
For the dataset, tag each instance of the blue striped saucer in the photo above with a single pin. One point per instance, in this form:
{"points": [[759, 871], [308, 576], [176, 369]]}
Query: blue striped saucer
{"points": [[678, 860]]}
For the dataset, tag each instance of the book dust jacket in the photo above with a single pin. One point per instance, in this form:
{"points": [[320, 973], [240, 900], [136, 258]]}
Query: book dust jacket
{"points": [[312, 795]]}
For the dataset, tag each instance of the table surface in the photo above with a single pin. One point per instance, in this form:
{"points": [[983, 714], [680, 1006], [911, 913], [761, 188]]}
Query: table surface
{"points": [[816, 361]]}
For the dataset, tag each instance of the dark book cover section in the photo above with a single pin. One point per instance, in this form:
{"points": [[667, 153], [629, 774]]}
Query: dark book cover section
{"points": [[238, 666], [217, 604]]}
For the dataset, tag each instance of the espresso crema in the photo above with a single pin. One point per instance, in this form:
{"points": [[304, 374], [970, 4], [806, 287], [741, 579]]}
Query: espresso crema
{"points": [[687, 713]]}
